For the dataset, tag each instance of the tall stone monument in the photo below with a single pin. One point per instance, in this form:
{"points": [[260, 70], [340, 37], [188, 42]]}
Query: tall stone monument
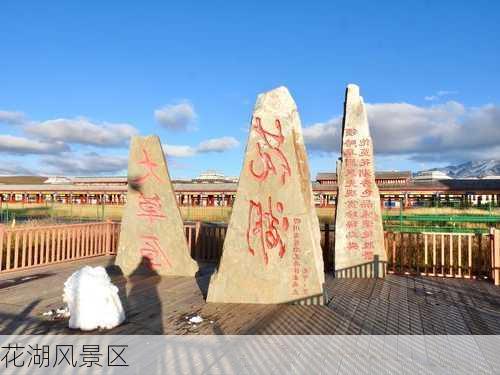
{"points": [[272, 251], [359, 235], [152, 232]]}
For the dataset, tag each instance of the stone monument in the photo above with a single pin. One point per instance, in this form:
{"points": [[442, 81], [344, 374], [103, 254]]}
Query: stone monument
{"points": [[272, 251], [359, 235], [152, 232]]}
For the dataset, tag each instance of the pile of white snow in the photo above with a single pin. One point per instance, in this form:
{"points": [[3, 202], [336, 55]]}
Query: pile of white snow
{"points": [[92, 300]]}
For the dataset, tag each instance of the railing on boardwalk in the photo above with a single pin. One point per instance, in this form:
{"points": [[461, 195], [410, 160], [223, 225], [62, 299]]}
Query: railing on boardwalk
{"points": [[433, 254], [25, 247], [31, 246], [460, 255]]}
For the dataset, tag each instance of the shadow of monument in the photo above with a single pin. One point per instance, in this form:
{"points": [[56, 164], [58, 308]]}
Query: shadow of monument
{"points": [[143, 296], [374, 269], [205, 271], [206, 251]]}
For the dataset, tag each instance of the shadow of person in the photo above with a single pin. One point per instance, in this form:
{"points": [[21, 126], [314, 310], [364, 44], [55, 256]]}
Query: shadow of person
{"points": [[143, 303]]}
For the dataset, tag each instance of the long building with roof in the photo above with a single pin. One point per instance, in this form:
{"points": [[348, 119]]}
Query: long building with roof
{"points": [[214, 189]]}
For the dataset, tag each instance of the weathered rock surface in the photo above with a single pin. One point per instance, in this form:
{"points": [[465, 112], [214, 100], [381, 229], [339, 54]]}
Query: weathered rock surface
{"points": [[359, 235], [152, 232], [272, 251]]}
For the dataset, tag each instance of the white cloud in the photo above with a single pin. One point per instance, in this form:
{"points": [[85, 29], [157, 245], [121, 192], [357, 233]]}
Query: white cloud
{"points": [[324, 136], [446, 92], [178, 151], [83, 131], [445, 132], [440, 94], [86, 164], [210, 145], [217, 145], [14, 168], [12, 117], [176, 116], [21, 146]]}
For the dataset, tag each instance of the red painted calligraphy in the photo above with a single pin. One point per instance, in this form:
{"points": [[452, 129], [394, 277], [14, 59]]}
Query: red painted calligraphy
{"points": [[150, 208], [265, 229], [269, 150], [350, 142], [364, 142], [150, 166], [364, 152], [350, 132], [352, 246], [150, 248], [348, 153]]}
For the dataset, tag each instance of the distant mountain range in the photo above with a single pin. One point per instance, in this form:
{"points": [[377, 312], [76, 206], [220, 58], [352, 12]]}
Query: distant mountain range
{"points": [[480, 168]]}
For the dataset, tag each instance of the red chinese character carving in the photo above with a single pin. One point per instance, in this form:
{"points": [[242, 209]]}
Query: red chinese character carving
{"points": [[151, 249], [350, 183], [364, 142], [352, 205], [352, 234], [367, 204], [350, 193], [366, 183], [367, 223], [352, 246], [364, 172], [368, 245], [350, 142], [364, 152], [349, 172], [350, 132], [366, 234], [365, 162], [150, 166], [366, 214], [272, 142], [150, 208], [350, 163], [367, 255], [351, 224], [351, 214], [348, 153], [264, 228], [366, 193]]}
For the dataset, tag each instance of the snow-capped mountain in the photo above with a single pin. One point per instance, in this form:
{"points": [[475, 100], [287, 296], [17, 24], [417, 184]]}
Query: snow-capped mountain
{"points": [[480, 168]]}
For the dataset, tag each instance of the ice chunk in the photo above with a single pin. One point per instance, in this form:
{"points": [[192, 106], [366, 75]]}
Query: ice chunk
{"points": [[92, 300], [195, 319]]}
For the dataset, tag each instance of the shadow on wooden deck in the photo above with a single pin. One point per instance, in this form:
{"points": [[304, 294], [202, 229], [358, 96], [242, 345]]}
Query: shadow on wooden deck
{"points": [[161, 305]]}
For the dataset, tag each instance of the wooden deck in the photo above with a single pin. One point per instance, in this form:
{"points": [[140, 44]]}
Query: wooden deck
{"points": [[155, 305]]}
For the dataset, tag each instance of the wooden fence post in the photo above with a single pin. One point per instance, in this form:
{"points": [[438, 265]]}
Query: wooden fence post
{"points": [[108, 237], [492, 252], [326, 254], [2, 231], [497, 256], [197, 230]]}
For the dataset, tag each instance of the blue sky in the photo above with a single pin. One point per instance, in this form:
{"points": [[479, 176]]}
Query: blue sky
{"points": [[78, 78]]}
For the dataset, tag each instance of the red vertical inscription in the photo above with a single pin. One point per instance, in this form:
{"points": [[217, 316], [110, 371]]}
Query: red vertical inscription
{"points": [[265, 228]]}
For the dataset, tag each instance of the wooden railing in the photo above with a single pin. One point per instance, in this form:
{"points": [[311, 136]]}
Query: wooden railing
{"points": [[460, 255], [433, 254], [27, 246]]}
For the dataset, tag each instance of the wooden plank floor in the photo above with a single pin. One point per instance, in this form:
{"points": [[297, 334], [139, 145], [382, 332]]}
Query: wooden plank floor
{"points": [[155, 305]]}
